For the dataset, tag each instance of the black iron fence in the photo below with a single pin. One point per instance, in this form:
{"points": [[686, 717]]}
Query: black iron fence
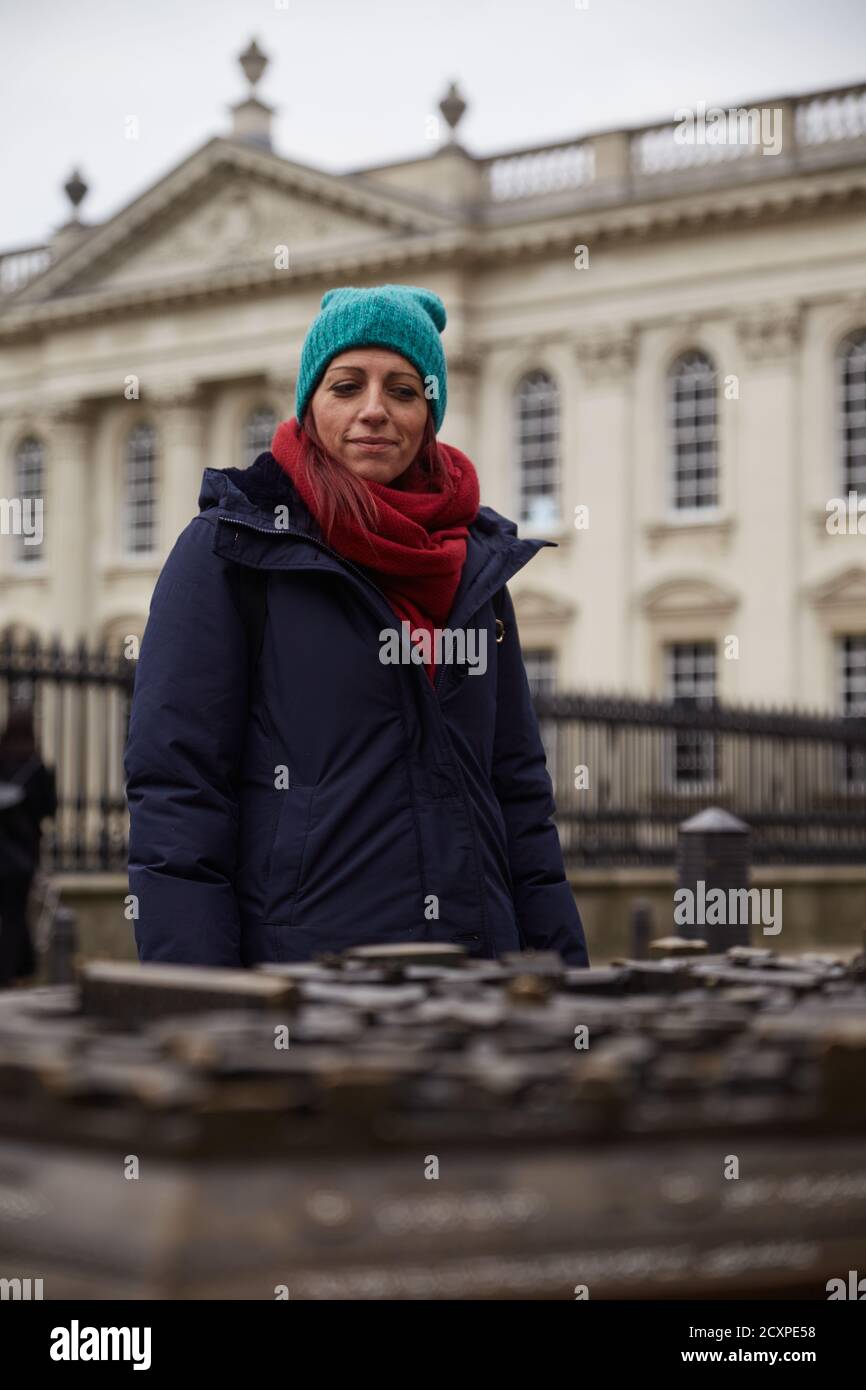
{"points": [[625, 772], [81, 701]]}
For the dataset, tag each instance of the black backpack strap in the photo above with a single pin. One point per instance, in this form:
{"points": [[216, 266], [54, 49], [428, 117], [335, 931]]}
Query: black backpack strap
{"points": [[253, 605]]}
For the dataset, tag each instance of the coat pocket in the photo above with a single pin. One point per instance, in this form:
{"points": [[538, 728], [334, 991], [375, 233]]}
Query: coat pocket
{"points": [[285, 862]]}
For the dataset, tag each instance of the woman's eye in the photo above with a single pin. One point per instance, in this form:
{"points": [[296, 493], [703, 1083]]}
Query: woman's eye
{"points": [[343, 388]]}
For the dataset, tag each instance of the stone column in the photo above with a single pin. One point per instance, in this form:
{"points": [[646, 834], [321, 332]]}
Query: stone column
{"points": [[463, 411], [604, 470], [67, 520], [179, 418], [768, 500], [281, 384]]}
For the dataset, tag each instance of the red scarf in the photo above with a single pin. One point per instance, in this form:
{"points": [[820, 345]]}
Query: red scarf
{"points": [[418, 549]]}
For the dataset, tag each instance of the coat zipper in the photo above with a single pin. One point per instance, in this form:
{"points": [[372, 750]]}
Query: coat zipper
{"points": [[265, 530]]}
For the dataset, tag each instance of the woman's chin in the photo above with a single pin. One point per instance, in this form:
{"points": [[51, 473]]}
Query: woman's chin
{"points": [[376, 472]]}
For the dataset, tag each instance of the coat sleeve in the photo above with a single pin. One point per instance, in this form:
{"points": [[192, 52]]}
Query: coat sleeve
{"points": [[41, 795], [546, 911], [182, 756]]}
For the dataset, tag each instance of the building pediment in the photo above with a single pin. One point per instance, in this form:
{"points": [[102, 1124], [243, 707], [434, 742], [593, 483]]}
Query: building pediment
{"points": [[687, 596], [847, 587], [536, 606], [227, 206]]}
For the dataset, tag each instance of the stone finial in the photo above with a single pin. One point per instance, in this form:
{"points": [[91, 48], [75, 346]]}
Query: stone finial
{"points": [[253, 61], [251, 118], [76, 190], [452, 107], [72, 232]]}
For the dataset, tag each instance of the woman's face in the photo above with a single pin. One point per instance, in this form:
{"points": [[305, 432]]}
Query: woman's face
{"points": [[370, 411]]}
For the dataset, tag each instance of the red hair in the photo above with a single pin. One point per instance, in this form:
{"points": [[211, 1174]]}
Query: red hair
{"points": [[341, 494]]}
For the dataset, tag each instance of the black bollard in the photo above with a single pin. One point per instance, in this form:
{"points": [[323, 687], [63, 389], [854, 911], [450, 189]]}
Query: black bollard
{"points": [[714, 851], [641, 928], [62, 946]]}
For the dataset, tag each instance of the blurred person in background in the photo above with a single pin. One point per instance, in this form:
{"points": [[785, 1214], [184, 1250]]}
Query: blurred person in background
{"points": [[296, 784], [20, 840]]}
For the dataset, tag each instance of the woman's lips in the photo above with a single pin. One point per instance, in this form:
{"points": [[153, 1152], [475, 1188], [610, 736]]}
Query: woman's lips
{"points": [[373, 446]]}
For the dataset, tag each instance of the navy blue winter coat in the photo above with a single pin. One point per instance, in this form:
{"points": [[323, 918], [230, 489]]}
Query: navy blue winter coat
{"points": [[410, 814]]}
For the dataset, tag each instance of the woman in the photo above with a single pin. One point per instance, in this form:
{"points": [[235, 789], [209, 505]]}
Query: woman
{"points": [[20, 836], [346, 772]]}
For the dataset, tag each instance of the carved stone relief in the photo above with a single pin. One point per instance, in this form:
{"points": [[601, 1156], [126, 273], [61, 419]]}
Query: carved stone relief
{"points": [[242, 222]]}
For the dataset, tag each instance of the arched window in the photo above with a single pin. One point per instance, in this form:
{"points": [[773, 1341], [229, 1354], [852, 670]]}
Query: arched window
{"points": [[536, 432], [30, 492], [851, 411], [140, 489], [693, 425], [259, 428]]}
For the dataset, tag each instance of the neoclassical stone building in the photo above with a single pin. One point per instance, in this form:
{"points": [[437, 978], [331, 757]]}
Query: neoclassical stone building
{"points": [[657, 358]]}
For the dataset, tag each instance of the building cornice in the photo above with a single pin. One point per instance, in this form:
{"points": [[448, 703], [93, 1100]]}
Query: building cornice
{"points": [[467, 247], [717, 529]]}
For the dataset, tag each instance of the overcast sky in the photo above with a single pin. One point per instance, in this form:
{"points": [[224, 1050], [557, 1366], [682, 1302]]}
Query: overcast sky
{"points": [[354, 81]]}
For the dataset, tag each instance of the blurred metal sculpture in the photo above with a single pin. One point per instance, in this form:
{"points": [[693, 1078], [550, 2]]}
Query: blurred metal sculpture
{"points": [[409, 1123]]}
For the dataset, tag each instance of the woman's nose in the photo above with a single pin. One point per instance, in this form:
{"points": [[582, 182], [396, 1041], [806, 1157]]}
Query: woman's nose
{"points": [[373, 406]]}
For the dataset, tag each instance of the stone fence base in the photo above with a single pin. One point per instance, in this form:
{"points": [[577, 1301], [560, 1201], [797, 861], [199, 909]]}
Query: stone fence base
{"points": [[823, 907]]}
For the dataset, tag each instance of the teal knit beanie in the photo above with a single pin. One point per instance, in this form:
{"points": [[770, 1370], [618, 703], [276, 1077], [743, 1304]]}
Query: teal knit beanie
{"points": [[401, 317]]}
